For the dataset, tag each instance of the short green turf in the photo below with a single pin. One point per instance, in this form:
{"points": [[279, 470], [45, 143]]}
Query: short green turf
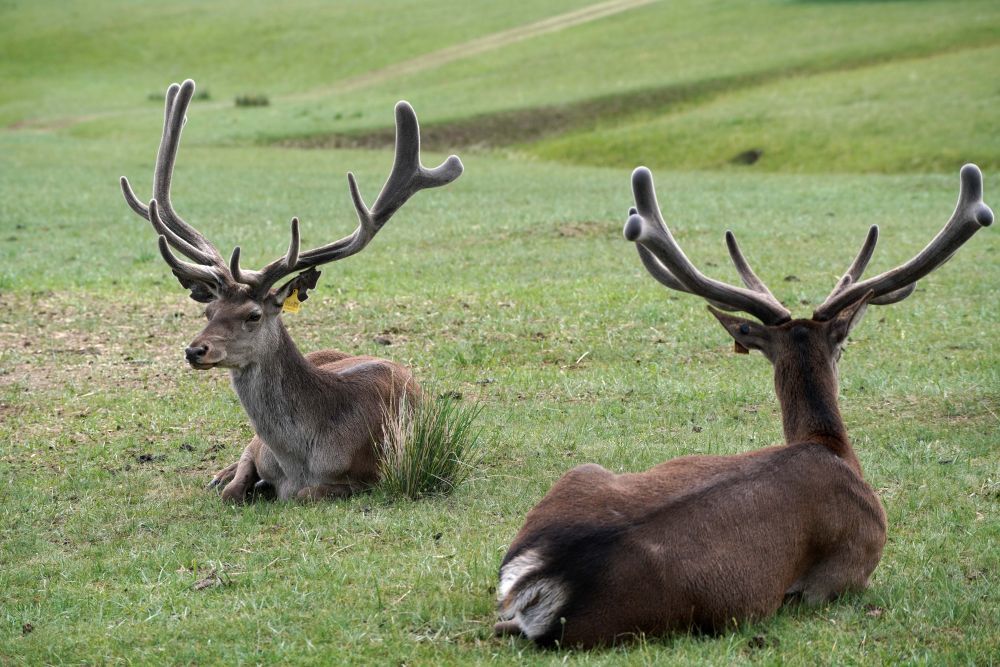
{"points": [[512, 287]]}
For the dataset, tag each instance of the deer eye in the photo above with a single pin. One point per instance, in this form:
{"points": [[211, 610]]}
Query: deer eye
{"points": [[254, 316]]}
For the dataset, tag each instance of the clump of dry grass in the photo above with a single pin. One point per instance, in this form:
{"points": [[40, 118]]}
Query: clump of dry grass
{"points": [[429, 448]]}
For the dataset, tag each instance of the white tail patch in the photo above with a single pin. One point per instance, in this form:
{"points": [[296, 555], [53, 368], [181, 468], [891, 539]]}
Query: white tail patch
{"points": [[535, 605], [518, 567]]}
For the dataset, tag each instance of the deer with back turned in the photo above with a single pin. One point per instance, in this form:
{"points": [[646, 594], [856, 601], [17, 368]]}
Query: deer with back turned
{"points": [[316, 416], [707, 542]]}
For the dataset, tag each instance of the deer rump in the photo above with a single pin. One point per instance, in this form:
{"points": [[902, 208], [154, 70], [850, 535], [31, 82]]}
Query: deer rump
{"points": [[697, 543]]}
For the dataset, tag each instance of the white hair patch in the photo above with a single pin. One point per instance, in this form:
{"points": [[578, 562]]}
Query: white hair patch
{"points": [[536, 606], [533, 606], [517, 568]]}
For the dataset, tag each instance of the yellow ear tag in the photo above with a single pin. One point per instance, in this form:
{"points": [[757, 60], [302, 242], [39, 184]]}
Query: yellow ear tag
{"points": [[292, 303]]}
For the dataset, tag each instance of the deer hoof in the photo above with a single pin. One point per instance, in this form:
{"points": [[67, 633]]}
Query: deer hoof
{"points": [[507, 629], [223, 477]]}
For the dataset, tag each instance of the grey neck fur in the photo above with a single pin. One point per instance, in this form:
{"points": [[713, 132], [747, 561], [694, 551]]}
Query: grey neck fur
{"points": [[276, 391]]}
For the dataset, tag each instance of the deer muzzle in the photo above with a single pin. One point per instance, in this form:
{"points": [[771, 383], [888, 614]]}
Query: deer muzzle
{"points": [[203, 356]]}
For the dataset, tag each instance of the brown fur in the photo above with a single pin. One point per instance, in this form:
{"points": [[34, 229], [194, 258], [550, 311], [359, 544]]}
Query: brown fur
{"points": [[706, 542], [318, 417]]}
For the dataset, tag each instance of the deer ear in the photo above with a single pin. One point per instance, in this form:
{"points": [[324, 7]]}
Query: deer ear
{"points": [[200, 292], [303, 282], [748, 334], [849, 317]]}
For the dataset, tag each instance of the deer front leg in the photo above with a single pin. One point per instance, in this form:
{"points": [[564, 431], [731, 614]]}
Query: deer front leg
{"points": [[240, 478]]}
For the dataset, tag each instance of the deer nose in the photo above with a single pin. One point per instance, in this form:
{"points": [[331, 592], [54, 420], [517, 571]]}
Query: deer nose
{"points": [[194, 354]]}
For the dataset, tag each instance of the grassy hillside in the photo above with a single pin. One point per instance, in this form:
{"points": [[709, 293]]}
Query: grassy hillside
{"points": [[513, 286], [654, 70], [59, 60], [915, 115]]}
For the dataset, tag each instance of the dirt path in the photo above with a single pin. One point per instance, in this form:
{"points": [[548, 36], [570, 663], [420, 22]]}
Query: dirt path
{"points": [[420, 63], [475, 47]]}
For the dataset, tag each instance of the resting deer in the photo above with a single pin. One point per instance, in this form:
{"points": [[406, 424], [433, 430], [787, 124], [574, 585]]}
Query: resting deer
{"points": [[314, 415], [705, 542]]}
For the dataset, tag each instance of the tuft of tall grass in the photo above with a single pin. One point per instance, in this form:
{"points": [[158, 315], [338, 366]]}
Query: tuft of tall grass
{"points": [[429, 448]]}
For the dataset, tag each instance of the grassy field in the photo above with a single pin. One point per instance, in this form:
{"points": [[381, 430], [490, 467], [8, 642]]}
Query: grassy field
{"points": [[513, 287]]}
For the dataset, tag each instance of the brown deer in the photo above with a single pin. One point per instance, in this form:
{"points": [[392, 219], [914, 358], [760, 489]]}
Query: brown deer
{"points": [[706, 542], [315, 415]]}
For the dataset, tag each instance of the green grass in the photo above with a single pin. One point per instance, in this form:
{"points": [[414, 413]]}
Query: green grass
{"points": [[918, 115], [511, 286], [97, 56]]}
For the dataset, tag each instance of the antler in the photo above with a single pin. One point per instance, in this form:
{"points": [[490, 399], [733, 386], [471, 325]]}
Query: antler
{"points": [[408, 176], [970, 215], [664, 259], [209, 267]]}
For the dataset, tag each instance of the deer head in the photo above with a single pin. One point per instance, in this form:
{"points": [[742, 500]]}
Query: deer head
{"points": [[244, 306]]}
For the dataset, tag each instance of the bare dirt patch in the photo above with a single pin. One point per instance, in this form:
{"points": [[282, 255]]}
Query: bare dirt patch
{"points": [[587, 229], [56, 340]]}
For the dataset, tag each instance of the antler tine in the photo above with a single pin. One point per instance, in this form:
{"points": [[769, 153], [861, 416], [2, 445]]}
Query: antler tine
{"points": [[130, 197], [163, 230], [175, 114], [662, 273], [132, 200], [747, 275], [207, 272], [180, 235], [646, 227], [187, 270], [234, 266], [970, 215], [292, 256], [262, 280], [860, 262], [407, 177]]}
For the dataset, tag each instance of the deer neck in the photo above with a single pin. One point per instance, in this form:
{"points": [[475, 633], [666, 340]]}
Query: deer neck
{"points": [[807, 392], [274, 390]]}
